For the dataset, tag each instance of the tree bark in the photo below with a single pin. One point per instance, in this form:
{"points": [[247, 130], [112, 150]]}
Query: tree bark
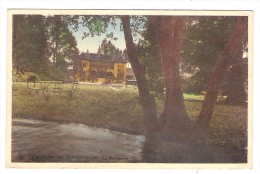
{"points": [[170, 37], [146, 99], [225, 60]]}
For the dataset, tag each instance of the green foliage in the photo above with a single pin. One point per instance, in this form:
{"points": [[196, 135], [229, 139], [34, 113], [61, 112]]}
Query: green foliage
{"points": [[108, 48], [205, 39], [31, 75], [148, 52], [235, 83], [62, 44], [96, 25], [195, 84], [42, 44], [102, 24], [138, 26], [29, 42], [53, 73], [19, 77]]}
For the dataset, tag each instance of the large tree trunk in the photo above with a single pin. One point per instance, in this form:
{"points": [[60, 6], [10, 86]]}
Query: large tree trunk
{"points": [[147, 100], [170, 37], [225, 60]]}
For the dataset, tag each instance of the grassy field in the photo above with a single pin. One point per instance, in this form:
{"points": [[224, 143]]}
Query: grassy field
{"points": [[117, 108]]}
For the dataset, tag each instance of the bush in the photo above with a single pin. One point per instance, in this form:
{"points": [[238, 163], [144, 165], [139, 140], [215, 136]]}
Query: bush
{"points": [[53, 74], [19, 77], [193, 85], [157, 86], [31, 76]]}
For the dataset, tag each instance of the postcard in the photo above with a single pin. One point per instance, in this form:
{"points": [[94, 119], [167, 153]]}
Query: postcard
{"points": [[129, 89]]}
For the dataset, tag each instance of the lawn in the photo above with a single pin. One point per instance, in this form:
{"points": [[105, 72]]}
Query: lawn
{"points": [[117, 108]]}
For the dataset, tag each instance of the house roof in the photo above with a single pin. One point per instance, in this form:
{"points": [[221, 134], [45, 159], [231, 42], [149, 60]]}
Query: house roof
{"points": [[102, 58]]}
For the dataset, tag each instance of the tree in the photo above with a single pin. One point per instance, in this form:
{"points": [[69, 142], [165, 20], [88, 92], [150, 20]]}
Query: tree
{"points": [[99, 24], [205, 39], [107, 48], [29, 43], [229, 54], [146, 99], [149, 55], [17, 19], [170, 36], [62, 46], [169, 32], [43, 45]]}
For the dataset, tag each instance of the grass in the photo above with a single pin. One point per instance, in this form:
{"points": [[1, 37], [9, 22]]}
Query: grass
{"points": [[100, 106], [193, 97], [118, 108]]}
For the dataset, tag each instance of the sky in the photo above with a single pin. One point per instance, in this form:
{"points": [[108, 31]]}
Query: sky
{"points": [[91, 44]]}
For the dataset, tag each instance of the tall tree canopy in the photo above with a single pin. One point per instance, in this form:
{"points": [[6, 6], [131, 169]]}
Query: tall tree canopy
{"points": [[204, 41], [62, 45], [43, 45], [108, 48], [149, 54], [29, 42]]}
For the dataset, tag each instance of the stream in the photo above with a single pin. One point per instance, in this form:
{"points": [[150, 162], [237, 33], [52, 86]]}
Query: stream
{"points": [[42, 141]]}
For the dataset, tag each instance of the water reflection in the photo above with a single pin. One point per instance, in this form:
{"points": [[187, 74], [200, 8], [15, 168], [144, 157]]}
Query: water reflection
{"points": [[41, 141], [149, 151], [158, 149]]}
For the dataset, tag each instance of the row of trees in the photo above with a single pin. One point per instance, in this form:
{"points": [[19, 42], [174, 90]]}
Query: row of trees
{"points": [[205, 48], [43, 45], [162, 46], [169, 31], [204, 40]]}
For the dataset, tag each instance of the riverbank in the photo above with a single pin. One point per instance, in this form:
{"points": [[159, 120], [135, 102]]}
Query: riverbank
{"points": [[117, 108], [79, 143]]}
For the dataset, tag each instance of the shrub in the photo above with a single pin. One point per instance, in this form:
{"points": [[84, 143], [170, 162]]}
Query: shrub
{"points": [[53, 74], [19, 77], [31, 76]]}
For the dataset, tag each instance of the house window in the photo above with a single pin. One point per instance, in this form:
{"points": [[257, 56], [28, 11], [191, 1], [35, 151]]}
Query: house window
{"points": [[84, 65]]}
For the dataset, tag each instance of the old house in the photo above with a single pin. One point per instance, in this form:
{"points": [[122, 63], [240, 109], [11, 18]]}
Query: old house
{"points": [[99, 68]]}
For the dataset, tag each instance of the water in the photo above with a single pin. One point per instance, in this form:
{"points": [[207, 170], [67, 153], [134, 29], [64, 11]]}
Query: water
{"points": [[41, 141]]}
